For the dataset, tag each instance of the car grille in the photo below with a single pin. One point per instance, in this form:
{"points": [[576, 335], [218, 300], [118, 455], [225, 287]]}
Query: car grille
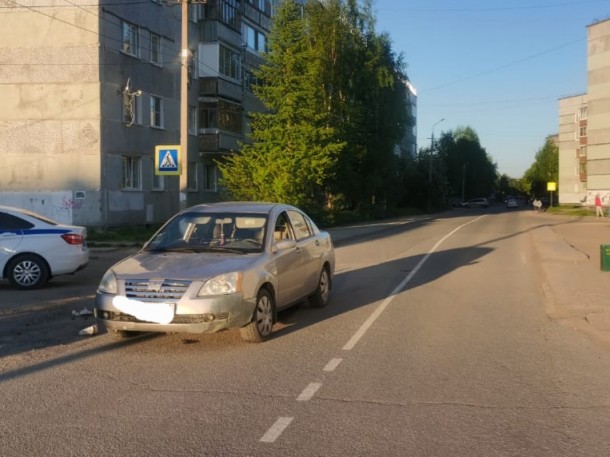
{"points": [[166, 290]]}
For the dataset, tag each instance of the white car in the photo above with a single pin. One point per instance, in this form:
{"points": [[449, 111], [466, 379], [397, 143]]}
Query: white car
{"points": [[33, 248], [219, 266]]}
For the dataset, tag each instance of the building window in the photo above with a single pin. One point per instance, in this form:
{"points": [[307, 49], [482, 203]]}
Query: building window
{"points": [[230, 63], [192, 174], [229, 13], [156, 111], [250, 80], [255, 40], [155, 48], [582, 151], [132, 107], [156, 181], [583, 131], [221, 115], [132, 173], [210, 178], [192, 121], [131, 41], [583, 113]]}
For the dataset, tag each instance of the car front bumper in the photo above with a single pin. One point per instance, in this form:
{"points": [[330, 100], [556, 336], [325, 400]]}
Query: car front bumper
{"points": [[204, 315]]}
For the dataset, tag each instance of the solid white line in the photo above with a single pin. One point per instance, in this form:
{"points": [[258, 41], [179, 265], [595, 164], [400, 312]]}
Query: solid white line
{"points": [[276, 429], [309, 391], [373, 317], [332, 365]]}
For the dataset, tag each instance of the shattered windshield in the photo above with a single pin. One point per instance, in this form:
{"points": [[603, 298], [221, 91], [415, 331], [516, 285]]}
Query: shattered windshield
{"points": [[217, 232]]}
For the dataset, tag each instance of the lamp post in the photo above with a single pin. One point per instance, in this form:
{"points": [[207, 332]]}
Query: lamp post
{"points": [[432, 150]]}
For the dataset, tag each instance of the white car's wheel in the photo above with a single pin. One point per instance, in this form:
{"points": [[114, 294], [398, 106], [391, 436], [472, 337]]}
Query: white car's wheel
{"points": [[28, 272], [262, 322]]}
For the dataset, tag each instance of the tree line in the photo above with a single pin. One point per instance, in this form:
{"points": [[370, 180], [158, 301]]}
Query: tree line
{"points": [[335, 100]]}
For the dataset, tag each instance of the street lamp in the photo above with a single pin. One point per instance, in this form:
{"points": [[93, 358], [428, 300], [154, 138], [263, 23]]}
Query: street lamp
{"points": [[432, 150]]}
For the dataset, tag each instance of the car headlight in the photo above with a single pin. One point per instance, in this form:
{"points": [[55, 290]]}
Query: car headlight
{"points": [[225, 284], [108, 284]]}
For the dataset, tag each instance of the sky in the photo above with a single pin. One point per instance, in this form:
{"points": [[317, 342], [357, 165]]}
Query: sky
{"points": [[499, 67]]}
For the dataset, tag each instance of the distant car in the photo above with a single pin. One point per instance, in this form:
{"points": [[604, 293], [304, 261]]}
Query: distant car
{"points": [[33, 248], [477, 203], [219, 266], [512, 203]]}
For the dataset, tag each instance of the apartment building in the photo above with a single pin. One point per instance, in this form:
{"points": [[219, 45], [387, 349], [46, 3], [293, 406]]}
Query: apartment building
{"points": [[572, 144], [407, 147], [90, 89], [584, 123]]}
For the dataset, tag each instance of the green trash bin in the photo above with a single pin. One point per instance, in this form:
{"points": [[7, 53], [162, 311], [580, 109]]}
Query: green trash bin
{"points": [[605, 257]]}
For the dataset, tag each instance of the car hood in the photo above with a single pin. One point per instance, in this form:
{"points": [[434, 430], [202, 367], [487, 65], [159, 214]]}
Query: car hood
{"points": [[181, 265]]}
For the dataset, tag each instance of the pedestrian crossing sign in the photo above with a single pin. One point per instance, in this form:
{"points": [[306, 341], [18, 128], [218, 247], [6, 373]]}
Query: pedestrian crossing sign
{"points": [[167, 160]]}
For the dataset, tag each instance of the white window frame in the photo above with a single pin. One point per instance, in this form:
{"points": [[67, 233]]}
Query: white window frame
{"points": [[156, 43], [157, 118], [130, 39], [131, 167]]}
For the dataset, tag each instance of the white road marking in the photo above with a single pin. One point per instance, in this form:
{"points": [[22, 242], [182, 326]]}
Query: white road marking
{"points": [[309, 391], [373, 317], [332, 365], [276, 429]]}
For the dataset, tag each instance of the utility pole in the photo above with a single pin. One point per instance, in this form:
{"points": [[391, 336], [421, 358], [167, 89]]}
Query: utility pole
{"points": [[184, 104]]}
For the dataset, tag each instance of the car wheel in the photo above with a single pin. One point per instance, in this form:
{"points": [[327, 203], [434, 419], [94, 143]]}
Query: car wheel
{"points": [[262, 322], [28, 272], [319, 299]]}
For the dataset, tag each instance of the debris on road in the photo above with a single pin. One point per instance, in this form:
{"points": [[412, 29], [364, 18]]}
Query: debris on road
{"points": [[91, 330]]}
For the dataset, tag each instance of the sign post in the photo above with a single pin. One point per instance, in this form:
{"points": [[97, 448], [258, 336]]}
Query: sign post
{"points": [[168, 160]]}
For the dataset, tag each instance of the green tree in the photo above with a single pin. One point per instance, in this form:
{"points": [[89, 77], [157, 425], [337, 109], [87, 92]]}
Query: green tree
{"points": [[470, 171], [544, 169], [294, 147]]}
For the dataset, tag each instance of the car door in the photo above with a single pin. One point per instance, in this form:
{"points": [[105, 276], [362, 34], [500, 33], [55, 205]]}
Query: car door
{"points": [[11, 236], [311, 251], [290, 264]]}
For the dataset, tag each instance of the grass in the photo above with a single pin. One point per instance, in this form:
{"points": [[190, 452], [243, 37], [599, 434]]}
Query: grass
{"points": [[572, 210], [125, 236]]}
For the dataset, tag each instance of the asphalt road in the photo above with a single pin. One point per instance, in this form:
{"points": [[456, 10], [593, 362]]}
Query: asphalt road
{"points": [[435, 343]]}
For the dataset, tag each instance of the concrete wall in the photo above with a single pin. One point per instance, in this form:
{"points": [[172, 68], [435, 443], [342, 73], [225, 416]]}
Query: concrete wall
{"points": [[598, 89], [571, 189], [50, 117]]}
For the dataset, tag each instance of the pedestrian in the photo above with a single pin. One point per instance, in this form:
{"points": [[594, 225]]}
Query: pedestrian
{"points": [[537, 204], [599, 211]]}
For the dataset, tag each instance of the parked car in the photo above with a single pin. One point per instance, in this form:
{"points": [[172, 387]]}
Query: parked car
{"points": [[219, 266], [512, 203], [34, 248], [477, 203]]}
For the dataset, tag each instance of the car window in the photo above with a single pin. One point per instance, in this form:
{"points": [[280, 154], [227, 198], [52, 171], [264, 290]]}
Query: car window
{"points": [[282, 229], [10, 222], [299, 224]]}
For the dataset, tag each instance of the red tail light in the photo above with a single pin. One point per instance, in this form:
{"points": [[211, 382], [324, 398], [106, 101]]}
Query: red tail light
{"points": [[73, 238]]}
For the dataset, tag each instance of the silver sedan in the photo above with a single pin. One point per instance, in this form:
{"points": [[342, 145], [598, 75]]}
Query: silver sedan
{"points": [[219, 266]]}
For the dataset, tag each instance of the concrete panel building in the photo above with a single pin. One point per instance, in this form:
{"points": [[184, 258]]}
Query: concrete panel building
{"points": [[90, 88], [584, 127], [572, 144]]}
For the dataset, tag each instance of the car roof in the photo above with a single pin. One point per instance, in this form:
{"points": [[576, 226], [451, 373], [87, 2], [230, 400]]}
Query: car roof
{"points": [[245, 207]]}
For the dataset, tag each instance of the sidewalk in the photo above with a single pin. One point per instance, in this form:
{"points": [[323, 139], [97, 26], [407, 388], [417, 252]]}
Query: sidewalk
{"points": [[577, 289]]}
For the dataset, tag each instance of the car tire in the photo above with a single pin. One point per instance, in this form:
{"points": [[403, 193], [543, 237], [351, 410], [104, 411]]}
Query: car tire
{"points": [[260, 328], [319, 299], [27, 272]]}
